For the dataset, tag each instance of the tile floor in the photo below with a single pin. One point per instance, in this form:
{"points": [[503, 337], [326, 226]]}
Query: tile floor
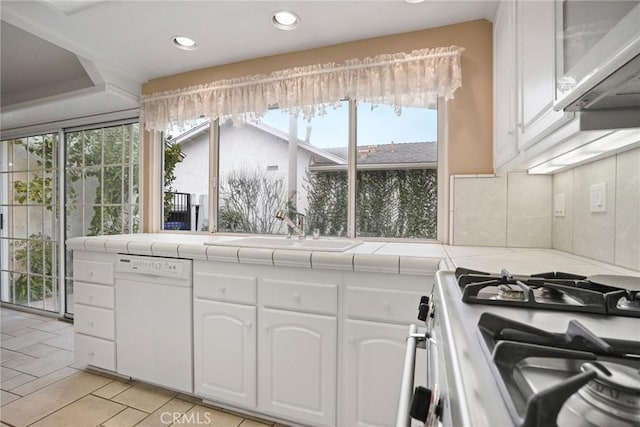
{"points": [[41, 385]]}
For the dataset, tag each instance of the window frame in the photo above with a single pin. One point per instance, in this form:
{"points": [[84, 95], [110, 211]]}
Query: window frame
{"points": [[442, 220]]}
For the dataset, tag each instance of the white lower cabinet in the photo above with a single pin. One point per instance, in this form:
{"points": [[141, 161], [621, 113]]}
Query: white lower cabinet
{"points": [[374, 333], [94, 316], [225, 352], [372, 372], [297, 366]]}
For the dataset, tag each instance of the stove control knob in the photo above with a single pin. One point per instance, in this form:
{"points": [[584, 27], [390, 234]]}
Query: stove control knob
{"points": [[423, 312], [420, 404], [423, 308], [438, 411]]}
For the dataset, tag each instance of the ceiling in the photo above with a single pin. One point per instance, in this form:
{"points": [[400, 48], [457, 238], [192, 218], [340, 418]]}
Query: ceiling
{"points": [[67, 59]]}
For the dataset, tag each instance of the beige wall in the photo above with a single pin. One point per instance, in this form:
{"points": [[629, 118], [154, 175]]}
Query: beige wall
{"points": [[470, 113]]}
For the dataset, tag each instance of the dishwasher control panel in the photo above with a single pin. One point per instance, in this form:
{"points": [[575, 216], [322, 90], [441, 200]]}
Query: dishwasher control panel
{"points": [[165, 267]]}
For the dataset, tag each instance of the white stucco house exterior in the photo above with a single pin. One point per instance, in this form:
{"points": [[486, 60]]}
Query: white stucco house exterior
{"points": [[251, 146]]}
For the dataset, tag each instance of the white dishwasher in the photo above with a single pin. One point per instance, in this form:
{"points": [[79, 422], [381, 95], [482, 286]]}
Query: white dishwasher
{"points": [[154, 339]]}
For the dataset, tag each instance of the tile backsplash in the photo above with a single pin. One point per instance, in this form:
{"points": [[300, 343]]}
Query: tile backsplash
{"points": [[516, 210], [509, 210], [613, 235]]}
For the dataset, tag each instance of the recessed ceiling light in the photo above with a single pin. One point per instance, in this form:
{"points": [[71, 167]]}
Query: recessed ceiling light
{"points": [[285, 20], [414, 1], [183, 42]]}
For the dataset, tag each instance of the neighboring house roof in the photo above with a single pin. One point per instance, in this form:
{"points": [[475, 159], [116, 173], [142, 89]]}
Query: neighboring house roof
{"points": [[326, 156], [190, 134], [384, 156]]}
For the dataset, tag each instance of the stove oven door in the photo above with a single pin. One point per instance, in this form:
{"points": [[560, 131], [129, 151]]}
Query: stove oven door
{"points": [[419, 406]]}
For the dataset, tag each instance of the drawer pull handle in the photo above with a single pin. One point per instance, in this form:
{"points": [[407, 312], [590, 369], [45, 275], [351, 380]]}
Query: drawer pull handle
{"points": [[223, 290], [386, 306], [90, 273], [91, 323], [297, 297], [90, 296], [91, 353]]}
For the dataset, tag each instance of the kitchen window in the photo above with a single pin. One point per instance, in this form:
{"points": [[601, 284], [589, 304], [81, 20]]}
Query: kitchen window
{"points": [[405, 80], [284, 162]]}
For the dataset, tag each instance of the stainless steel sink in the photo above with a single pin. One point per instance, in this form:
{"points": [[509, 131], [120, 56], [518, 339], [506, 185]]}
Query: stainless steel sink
{"points": [[326, 244]]}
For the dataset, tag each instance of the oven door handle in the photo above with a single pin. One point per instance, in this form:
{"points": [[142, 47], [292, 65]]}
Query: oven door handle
{"points": [[403, 419]]}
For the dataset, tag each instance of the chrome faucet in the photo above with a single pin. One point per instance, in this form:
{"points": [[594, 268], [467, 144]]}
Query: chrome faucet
{"points": [[298, 228]]}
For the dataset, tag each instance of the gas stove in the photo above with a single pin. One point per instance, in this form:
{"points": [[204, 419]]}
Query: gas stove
{"points": [[530, 351]]}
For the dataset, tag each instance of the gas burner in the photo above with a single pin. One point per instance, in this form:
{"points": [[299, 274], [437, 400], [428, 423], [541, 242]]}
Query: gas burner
{"points": [[615, 390], [631, 301], [596, 380], [510, 293]]}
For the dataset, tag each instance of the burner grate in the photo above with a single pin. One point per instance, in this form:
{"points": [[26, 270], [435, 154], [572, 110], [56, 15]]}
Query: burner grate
{"points": [[509, 345], [552, 291]]}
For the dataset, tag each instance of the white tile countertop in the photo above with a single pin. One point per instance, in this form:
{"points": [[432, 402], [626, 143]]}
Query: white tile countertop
{"points": [[422, 259], [525, 261], [376, 257]]}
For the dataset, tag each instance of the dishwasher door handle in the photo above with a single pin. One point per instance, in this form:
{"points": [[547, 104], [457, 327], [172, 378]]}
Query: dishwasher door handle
{"points": [[403, 418]]}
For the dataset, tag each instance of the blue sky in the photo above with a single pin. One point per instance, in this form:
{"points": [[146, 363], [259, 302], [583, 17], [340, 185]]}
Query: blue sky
{"points": [[378, 126]]}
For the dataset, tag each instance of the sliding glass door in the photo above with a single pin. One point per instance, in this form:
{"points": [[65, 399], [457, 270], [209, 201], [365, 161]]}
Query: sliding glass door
{"points": [[102, 186], [101, 196], [29, 218]]}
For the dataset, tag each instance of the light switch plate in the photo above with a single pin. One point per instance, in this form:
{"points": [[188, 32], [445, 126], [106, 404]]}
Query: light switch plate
{"points": [[558, 205], [598, 197]]}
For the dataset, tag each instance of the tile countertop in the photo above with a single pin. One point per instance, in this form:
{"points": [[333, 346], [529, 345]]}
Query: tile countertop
{"points": [[422, 259], [526, 261], [377, 257]]}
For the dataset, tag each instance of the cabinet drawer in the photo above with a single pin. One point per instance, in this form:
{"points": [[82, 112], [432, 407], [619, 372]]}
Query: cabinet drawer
{"points": [[93, 271], [97, 322], [381, 304], [95, 352], [311, 297], [98, 295], [224, 287]]}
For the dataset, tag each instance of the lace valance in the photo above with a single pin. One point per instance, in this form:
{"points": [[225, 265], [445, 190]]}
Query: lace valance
{"points": [[413, 79]]}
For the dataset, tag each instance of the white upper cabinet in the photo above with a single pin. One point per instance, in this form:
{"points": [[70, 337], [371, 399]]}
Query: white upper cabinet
{"points": [[524, 80], [504, 84], [535, 56]]}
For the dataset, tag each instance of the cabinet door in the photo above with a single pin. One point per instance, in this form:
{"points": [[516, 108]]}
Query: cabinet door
{"points": [[297, 366], [225, 352], [504, 84], [372, 372], [536, 71]]}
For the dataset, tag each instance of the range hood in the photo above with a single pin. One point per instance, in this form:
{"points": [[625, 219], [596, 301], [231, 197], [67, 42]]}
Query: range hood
{"points": [[597, 55], [606, 120], [597, 85], [620, 90]]}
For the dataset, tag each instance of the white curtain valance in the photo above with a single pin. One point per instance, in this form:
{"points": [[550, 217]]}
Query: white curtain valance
{"points": [[413, 79]]}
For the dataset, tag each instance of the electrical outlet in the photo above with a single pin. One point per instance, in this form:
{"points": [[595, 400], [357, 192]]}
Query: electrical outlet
{"points": [[558, 205], [598, 197]]}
